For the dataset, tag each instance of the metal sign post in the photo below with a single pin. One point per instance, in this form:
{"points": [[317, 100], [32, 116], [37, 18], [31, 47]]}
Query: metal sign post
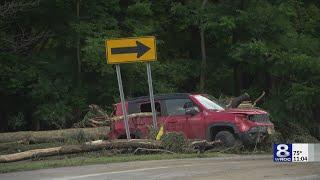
{"points": [[153, 109], [123, 105], [129, 50]]}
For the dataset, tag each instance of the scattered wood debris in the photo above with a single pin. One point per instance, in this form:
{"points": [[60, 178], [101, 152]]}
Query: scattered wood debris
{"points": [[138, 145], [202, 145], [243, 101], [69, 149], [96, 117]]}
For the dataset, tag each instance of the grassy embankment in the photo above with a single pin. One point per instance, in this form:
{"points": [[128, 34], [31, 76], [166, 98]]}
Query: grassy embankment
{"points": [[98, 157]]}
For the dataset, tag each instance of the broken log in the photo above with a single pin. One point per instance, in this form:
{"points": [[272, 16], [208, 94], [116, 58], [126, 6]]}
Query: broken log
{"points": [[101, 121], [246, 105], [237, 100], [249, 104], [117, 118], [152, 150], [90, 146], [203, 145], [135, 115], [60, 135], [53, 135], [259, 98]]}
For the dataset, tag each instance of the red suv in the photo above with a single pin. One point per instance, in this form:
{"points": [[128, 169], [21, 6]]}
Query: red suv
{"points": [[197, 116]]}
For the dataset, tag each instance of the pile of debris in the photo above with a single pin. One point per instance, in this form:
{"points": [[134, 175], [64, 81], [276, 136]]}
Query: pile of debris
{"points": [[97, 117], [133, 145], [243, 101]]}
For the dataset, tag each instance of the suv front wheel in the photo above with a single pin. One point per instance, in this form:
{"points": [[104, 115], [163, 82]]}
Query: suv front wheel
{"points": [[226, 137]]}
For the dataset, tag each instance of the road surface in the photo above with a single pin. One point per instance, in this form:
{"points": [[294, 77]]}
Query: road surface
{"points": [[238, 167]]}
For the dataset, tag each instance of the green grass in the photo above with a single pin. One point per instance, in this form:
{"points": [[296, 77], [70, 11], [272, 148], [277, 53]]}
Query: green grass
{"points": [[98, 157], [92, 158]]}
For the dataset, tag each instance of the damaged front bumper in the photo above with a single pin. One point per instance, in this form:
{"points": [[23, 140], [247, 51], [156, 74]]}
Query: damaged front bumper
{"points": [[256, 134]]}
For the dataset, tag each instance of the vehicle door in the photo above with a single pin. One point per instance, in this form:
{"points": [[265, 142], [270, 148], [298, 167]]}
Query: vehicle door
{"points": [[175, 115], [195, 124], [144, 123]]}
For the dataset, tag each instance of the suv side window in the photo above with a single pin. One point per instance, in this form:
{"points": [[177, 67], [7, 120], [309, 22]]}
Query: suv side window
{"points": [[146, 107], [177, 106]]}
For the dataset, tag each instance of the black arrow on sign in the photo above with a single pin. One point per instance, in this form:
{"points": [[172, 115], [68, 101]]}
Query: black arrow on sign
{"points": [[140, 49]]}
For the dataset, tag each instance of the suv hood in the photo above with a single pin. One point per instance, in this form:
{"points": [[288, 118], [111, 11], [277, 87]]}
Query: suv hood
{"points": [[245, 111]]}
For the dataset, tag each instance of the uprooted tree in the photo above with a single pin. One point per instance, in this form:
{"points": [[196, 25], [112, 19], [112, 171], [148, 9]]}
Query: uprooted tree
{"points": [[90, 146], [141, 145], [54, 135]]}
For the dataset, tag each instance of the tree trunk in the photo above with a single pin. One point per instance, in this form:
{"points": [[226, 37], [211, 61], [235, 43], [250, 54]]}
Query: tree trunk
{"points": [[203, 62], [242, 4], [203, 54], [91, 146], [3, 122], [78, 48], [238, 100], [35, 124], [237, 78], [54, 135], [268, 81]]}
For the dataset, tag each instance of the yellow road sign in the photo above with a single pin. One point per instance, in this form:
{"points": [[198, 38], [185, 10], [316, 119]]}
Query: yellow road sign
{"points": [[129, 50]]}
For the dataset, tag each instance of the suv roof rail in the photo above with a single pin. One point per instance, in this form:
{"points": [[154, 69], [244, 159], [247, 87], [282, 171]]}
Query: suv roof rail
{"points": [[160, 96]]}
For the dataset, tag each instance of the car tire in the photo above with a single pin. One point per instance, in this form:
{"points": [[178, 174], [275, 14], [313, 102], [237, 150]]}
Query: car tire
{"points": [[226, 137]]}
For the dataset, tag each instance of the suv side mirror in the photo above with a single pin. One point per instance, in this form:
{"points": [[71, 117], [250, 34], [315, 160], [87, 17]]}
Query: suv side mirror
{"points": [[192, 110]]}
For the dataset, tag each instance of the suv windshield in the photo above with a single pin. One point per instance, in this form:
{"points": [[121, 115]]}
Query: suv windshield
{"points": [[207, 103]]}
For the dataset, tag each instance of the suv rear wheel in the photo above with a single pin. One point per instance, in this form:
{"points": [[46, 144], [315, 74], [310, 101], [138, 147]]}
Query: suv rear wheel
{"points": [[226, 137]]}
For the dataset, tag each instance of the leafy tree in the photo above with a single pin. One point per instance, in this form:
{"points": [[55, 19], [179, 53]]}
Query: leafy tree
{"points": [[48, 47]]}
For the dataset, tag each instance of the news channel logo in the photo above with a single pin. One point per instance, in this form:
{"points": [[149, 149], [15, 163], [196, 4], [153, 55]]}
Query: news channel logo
{"points": [[282, 152]]}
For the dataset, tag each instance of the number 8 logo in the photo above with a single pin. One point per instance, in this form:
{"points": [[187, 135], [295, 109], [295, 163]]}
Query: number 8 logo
{"points": [[283, 150]]}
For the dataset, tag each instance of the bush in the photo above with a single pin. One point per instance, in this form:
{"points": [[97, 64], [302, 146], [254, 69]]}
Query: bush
{"points": [[174, 141], [266, 144], [153, 132], [299, 134], [17, 122], [78, 137], [53, 116], [302, 138]]}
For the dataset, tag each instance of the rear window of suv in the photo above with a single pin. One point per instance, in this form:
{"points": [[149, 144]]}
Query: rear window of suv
{"points": [[146, 107]]}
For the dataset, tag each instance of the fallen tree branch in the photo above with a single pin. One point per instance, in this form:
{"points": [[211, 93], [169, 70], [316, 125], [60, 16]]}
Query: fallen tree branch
{"points": [[97, 117], [152, 150], [235, 102], [102, 121], [53, 135], [135, 115], [203, 145], [259, 98], [90, 146]]}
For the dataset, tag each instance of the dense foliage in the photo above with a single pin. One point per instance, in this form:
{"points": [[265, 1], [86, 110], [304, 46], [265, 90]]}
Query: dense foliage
{"points": [[52, 56]]}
